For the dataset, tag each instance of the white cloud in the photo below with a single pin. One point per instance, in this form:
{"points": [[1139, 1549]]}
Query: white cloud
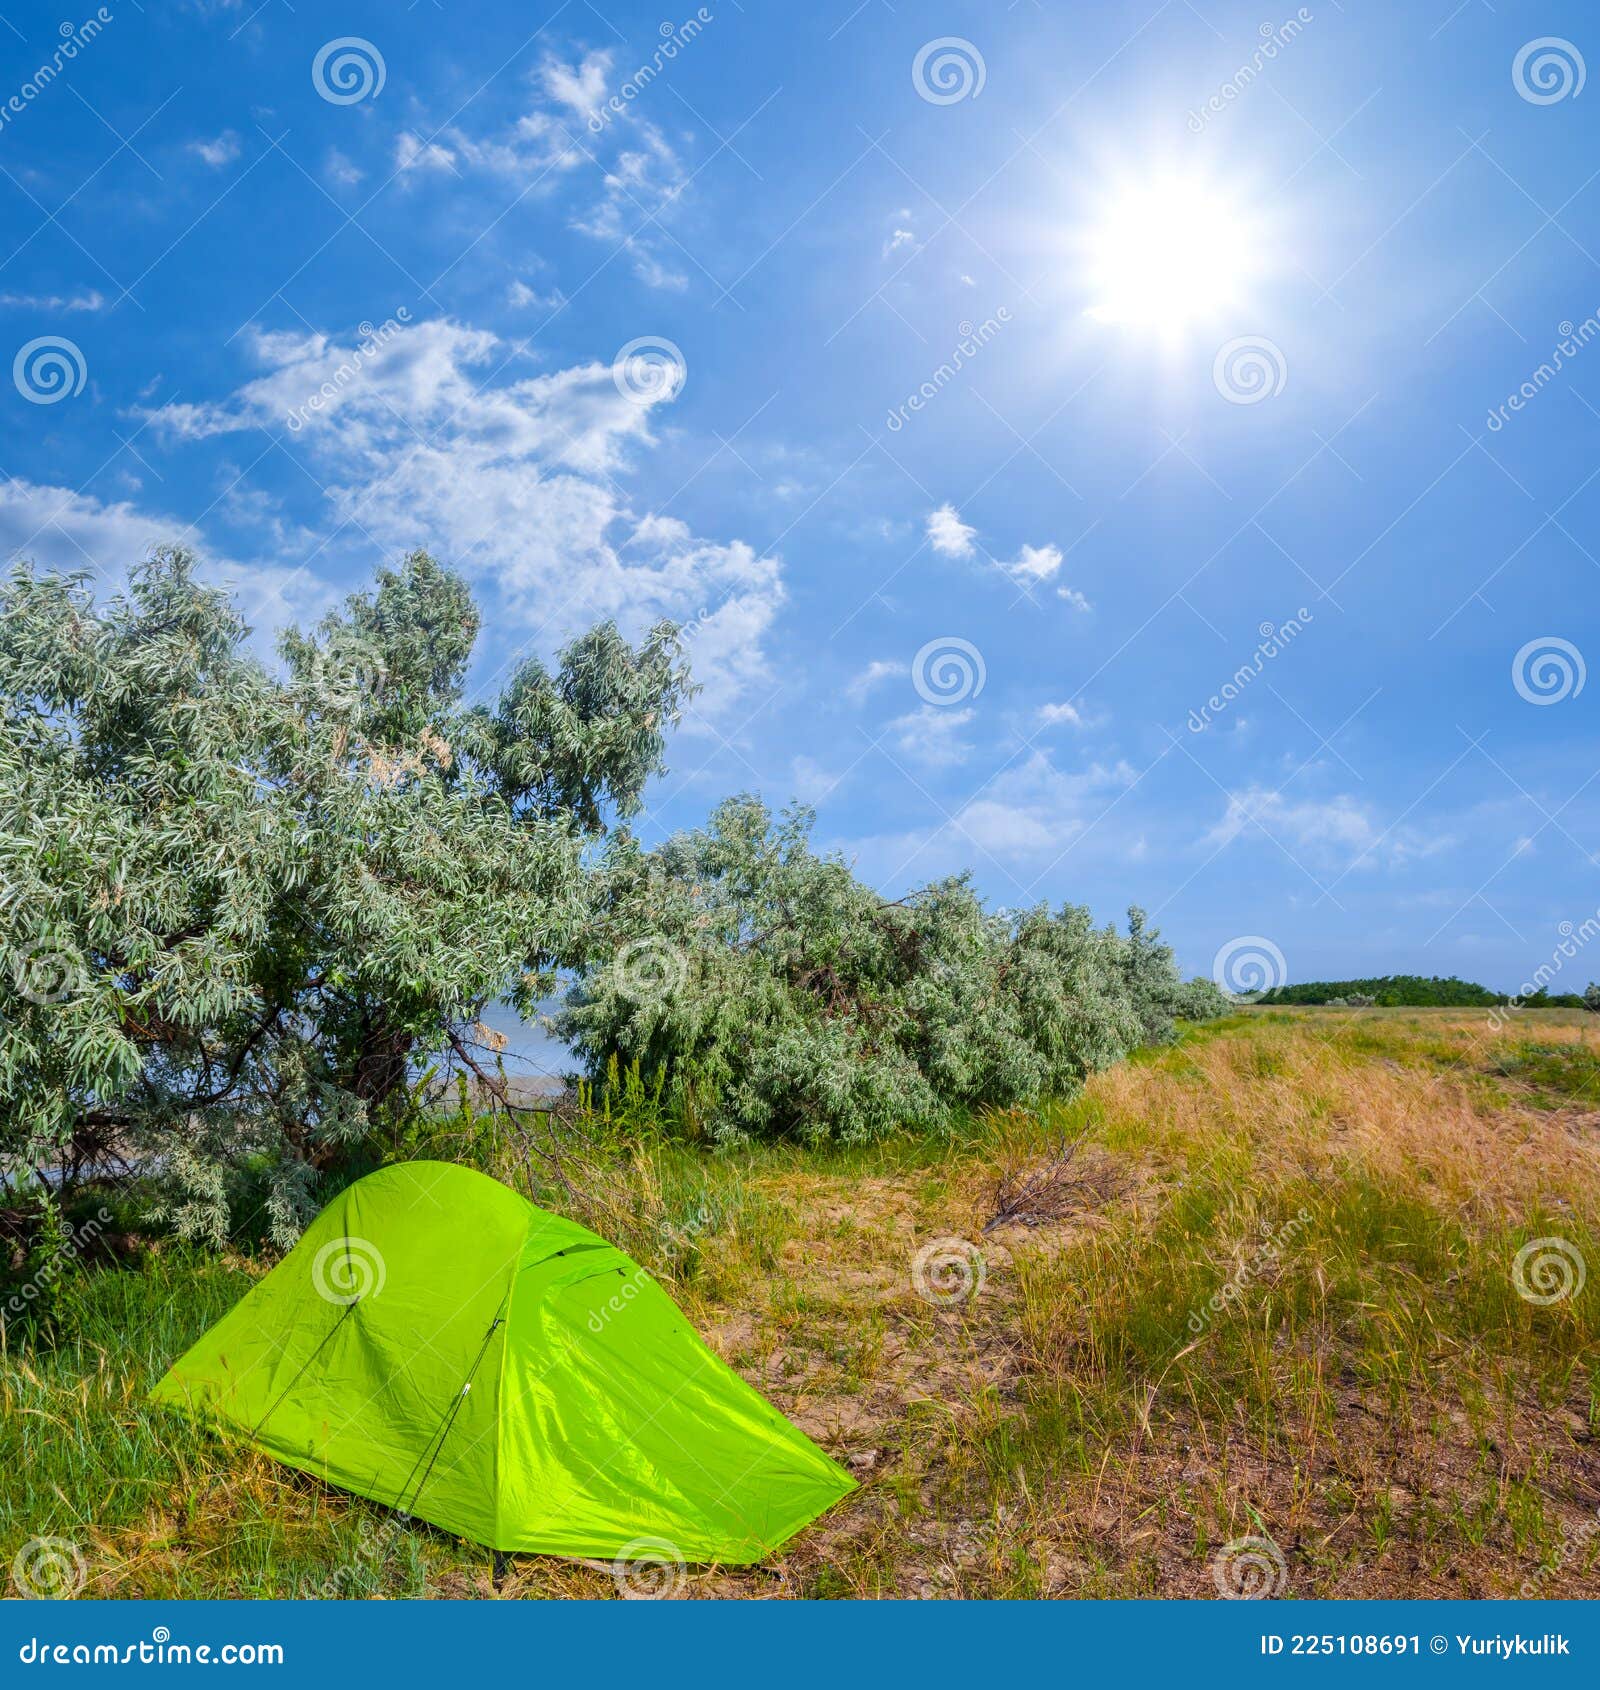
{"points": [[898, 239], [93, 300], [1037, 808], [522, 297], [1074, 598], [581, 88], [223, 150], [811, 782], [933, 736], [1340, 828], [641, 174], [948, 534], [1055, 715], [341, 170], [1035, 563], [423, 443], [412, 153], [877, 671], [57, 528]]}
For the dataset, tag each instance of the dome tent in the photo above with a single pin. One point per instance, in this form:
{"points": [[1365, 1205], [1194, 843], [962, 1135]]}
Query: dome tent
{"points": [[437, 1343]]}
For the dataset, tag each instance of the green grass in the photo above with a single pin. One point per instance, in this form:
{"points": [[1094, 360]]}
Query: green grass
{"points": [[1374, 1393]]}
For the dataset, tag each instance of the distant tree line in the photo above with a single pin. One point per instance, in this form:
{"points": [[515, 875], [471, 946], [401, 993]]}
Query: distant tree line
{"points": [[1419, 991]]}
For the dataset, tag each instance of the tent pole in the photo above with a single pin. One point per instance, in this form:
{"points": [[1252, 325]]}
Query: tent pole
{"points": [[502, 1566]]}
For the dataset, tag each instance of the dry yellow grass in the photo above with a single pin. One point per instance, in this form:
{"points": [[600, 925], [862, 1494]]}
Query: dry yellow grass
{"points": [[1101, 1415]]}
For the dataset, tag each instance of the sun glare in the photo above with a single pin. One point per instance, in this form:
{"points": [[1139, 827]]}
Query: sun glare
{"points": [[1167, 253]]}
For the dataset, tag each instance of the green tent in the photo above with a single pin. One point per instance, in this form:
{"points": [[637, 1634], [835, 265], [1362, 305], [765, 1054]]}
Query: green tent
{"points": [[440, 1345]]}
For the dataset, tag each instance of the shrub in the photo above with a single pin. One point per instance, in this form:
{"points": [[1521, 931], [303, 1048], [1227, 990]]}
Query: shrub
{"points": [[795, 1002], [240, 908]]}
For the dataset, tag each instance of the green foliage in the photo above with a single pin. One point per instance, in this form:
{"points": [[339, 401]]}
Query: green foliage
{"points": [[239, 909], [1388, 991], [781, 997]]}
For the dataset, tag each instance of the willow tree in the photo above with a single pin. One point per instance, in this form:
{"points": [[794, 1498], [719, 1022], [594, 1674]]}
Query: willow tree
{"points": [[240, 906]]}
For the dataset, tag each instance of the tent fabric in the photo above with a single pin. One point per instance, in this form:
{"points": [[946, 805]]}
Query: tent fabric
{"points": [[437, 1343]]}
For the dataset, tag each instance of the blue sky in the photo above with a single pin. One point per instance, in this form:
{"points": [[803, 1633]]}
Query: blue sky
{"points": [[1133, 447]]}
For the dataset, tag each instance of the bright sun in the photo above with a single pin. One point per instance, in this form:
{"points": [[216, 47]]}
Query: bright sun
{"points": [[1166, 253]]}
